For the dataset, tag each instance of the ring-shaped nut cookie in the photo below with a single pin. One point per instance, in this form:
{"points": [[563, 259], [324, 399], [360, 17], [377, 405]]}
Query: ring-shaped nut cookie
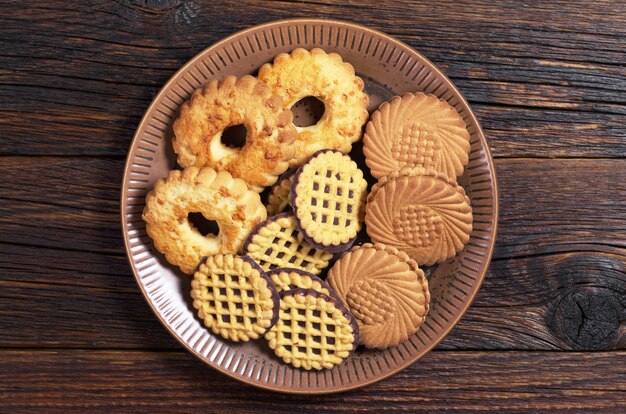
{"points": [[327, 77], [217, 196], [219, 105]]}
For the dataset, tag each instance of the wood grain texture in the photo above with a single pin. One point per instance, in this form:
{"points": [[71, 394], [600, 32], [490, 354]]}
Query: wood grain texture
{"points": [[546, 81], [524, 304], [546, 206], [554, 71], [176, 382]]}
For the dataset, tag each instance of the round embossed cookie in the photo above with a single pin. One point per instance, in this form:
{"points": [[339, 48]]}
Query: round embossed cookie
{"points": [[385, 291], [416, 130], [270, 135], [313, 331], [277, 242], [327, 77], [421, 212], [278, 198], [234, 297], [328, 199], [215, 194], [285, 279]]}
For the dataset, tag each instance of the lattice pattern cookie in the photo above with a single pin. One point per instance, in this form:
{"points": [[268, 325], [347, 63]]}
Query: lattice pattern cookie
{"points": [[277, 242], [278, 198], [234, 297], [416, 130], [328, 198], [421, 212], [385, 291], [314, 331]]}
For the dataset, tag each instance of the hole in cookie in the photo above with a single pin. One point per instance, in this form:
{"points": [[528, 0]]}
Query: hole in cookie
{"points": [[204, 226], [302, 349], [331, 340], [317, 338], [239, 305], [307, 111], [317, 314], [251, 307], [331, 328], [234, 136], [317, 326], [287, 335], [302, 336]]}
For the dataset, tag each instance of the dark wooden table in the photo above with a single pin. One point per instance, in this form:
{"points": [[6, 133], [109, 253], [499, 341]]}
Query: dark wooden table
{"points": [[547, 330]]}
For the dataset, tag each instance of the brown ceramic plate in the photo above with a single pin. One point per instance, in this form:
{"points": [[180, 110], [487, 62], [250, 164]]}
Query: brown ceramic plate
{"points": [[389, 68]]}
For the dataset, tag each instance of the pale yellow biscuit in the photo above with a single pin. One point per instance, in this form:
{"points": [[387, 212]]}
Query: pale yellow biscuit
{"points": [[234, 297]]}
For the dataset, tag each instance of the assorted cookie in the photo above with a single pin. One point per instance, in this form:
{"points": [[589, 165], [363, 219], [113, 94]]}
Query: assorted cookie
{"points": [[326, 76], [421, 212], [215, 194], [385, 290], [416, 145], [328, 198], [416, 130], [234, 297], [313, 331], [277, 242]]}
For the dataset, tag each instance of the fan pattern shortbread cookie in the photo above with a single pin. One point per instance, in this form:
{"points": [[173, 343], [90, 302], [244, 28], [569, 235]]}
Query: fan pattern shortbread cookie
{"points": [[326, 76], [215, 194], [385, 291], [421, 212], [313, 331], [328, 199], [234, 297], [277, 242], [416, 130]]}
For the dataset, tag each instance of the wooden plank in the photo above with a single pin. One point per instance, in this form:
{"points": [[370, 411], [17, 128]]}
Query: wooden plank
{"points": [[177, 382], [538, 85], [545, 205], [571, 301]]}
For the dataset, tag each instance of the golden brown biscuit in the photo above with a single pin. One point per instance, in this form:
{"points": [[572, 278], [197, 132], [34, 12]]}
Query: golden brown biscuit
{"points": [[328, 199], [416, 130], [234, 297], [304, 73], [385, 291], [277, 242], [313, 331], [421, 212], [278, 198], [218, 196], [245, 101]]}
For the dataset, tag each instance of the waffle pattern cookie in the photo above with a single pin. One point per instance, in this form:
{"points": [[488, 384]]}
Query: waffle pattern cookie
{"points": [[328, 199], [277, 242], [421, 212], [234, 297], [278, 198], [314, 331], [270, 134], [416, 130], [326, 76], [385, 291], [215, 194]]}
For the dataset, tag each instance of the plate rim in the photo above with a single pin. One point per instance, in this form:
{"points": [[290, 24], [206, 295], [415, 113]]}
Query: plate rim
{"points": [[345, 24]]}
